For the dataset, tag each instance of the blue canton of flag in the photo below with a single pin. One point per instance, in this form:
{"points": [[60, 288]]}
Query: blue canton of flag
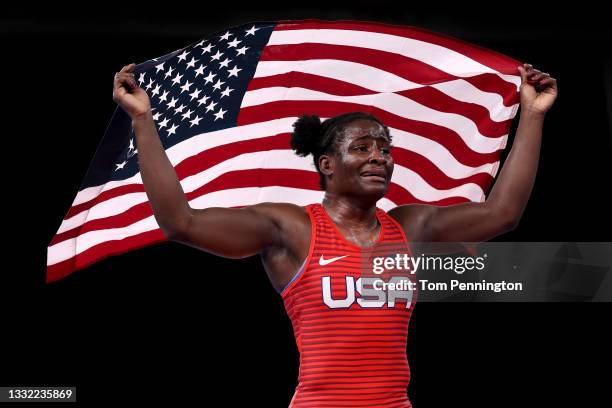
{"points": [[194, 90]]}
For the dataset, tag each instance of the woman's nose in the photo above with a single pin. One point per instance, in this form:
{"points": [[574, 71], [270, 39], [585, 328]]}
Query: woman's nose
{"points": [[377, 155]]}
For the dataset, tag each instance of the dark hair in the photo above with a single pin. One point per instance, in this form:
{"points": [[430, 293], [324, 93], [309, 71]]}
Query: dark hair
{"points": [[311, 136]]}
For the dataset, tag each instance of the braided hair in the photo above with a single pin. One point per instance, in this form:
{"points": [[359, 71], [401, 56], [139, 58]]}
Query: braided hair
{"points": [[311, 136]]}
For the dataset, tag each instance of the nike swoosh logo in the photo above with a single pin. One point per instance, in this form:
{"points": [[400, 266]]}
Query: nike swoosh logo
{"points": [[324, 262]]}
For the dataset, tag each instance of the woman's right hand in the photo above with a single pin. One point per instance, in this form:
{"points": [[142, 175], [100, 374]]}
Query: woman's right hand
{"points": [[127, 94]]}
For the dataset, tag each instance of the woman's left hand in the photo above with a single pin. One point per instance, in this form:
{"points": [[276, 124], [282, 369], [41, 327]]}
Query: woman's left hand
{"points": [[538, 90]]}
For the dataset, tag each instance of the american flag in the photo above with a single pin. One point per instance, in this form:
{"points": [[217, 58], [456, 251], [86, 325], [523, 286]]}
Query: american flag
{"points": [[224, 109]]}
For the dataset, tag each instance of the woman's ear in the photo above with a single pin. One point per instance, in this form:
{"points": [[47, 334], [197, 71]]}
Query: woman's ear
{"points": [[326, 164]]}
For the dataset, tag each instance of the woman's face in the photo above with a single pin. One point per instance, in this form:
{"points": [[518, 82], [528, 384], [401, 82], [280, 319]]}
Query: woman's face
{"points": [[363, 163]]}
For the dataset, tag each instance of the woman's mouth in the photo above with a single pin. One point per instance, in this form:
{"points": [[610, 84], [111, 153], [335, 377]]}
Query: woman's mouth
{"points": [[376, 177]]}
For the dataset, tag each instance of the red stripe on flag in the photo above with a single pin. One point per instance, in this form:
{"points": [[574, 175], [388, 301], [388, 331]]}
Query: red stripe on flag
{"points": [[105, 195], [193, 165], [234, 179], [307, 180], [497, 61], [442, 135], [102, 251], [479, 115], [404, 67], [426, 96], [310, 81], [432, 174], [489, 83]]}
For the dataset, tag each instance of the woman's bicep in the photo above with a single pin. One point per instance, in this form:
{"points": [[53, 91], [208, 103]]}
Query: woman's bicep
{"points": [[468, 222], [230, 232], [447, 229]]}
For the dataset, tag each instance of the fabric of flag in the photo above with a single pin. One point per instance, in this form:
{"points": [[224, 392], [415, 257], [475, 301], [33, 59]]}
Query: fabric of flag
{"points": [[224, 109]]}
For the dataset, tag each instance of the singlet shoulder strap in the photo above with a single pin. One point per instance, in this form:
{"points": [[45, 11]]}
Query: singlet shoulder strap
{"points": [[394, 230], [310, 209]]}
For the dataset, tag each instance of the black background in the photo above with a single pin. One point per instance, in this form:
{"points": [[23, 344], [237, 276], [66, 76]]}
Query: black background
{"points": [[169, 322]]}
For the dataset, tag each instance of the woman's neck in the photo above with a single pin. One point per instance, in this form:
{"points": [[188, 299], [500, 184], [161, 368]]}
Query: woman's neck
{"points": [[348, 213]]}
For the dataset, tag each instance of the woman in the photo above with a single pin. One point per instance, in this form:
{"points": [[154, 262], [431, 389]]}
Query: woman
{"points": [[352, 351]]}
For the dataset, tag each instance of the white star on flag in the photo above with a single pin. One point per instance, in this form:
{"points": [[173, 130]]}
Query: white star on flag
{"points": [[191, 63], [203, 100], [226, 91], [172, 102], [219, 115], [195, 121], [211, 106], [185, 87], [251, 31], [241, 51], [163, 123], [200, 70], [218, 84], [234, 72], [183, 56], [225, 62], [195, 94], [210, 77], [187, 114], [177, 79], [172, 130], [234, 43], [121, 165]]}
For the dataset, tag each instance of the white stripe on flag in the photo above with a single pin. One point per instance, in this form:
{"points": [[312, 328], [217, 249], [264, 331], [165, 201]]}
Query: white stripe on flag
{"points": [[392, 103], [225, 198], [362, 75], [438, 154], [201, 142], [463, 91], [274, 159], [437, 56]]}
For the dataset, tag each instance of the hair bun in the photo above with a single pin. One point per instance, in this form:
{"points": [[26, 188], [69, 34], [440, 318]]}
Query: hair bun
{"points": [[306, 133]]}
